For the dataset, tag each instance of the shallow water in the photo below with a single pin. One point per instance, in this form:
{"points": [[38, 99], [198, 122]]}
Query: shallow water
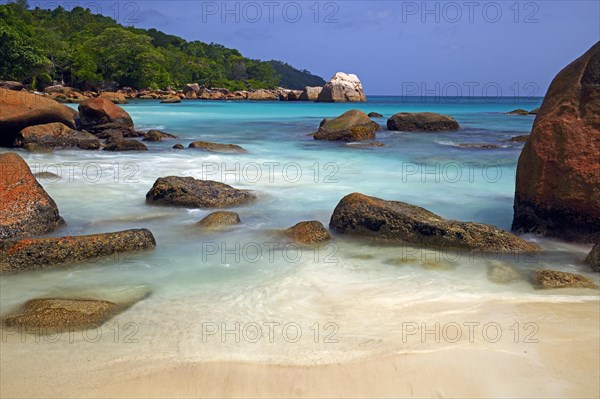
{"points": [[247, 275]]}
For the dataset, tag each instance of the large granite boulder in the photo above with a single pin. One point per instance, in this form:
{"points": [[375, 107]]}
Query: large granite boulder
{"points": [[308, 233], [422, 122], [558, 173], [361, 215], [20, 109], [217, 147], [39, 253], [353, 125], [342, 87], [98, 114], [56, 135], [544, 278], [310, 93], [593, 258], [25, 207], [190, 192]]}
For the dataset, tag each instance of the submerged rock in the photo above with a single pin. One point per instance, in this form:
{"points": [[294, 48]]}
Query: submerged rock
{"points": [[503, 273], [49, 315], [20, 109], [36, 147], [98, 114], [217, 147], [157, 135], [190, 192], [353, 125], [54, 315], [422, 122], [361, 215], [56, 135], [363, 144], [171, 100], [374, 115], [554, 279], [482, 146], [178, 147], [25, 207], [593, 258], [534, 111], [220, 219], [308, 233], [342, 87], [519, 139], [558, 173], [125, 145], [39, 253]]}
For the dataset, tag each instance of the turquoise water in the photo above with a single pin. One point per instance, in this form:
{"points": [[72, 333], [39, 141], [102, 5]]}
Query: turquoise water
{"points": [[245, 274]]}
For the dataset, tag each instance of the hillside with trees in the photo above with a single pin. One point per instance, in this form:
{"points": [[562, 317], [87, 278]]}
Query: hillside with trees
{"points": [[85, 50]]}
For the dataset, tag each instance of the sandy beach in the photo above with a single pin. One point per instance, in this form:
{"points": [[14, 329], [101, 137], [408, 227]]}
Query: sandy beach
{"points": [[563, 362]]}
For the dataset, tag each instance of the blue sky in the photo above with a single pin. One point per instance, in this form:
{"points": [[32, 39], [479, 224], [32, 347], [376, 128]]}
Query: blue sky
{"points": [[475, 47]]}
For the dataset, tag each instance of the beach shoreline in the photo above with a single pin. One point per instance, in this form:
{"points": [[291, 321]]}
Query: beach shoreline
{"points": [[557, 365]]}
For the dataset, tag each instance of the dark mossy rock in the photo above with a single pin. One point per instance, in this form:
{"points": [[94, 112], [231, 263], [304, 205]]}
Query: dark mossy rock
{"points": [[26, 209], [39, 253], [422, 122], [125, 145], [364, 216], [353, 125], [190, 192], [554, 279], [219, 219], [217, 147], [308, 233]]}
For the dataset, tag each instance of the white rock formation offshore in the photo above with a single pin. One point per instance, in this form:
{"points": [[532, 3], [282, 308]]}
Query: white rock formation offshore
{"points": [[342, 87]]}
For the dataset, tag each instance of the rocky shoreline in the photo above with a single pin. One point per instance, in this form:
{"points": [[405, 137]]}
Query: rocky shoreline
{"points": [[341, 88]]}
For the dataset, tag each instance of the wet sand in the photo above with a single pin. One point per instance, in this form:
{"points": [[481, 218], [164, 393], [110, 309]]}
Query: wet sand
{"points": [[565, 362]]}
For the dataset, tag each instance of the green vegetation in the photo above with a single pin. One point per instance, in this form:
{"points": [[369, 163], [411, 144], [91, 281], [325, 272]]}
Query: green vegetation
{"points": [[86, 50]]}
